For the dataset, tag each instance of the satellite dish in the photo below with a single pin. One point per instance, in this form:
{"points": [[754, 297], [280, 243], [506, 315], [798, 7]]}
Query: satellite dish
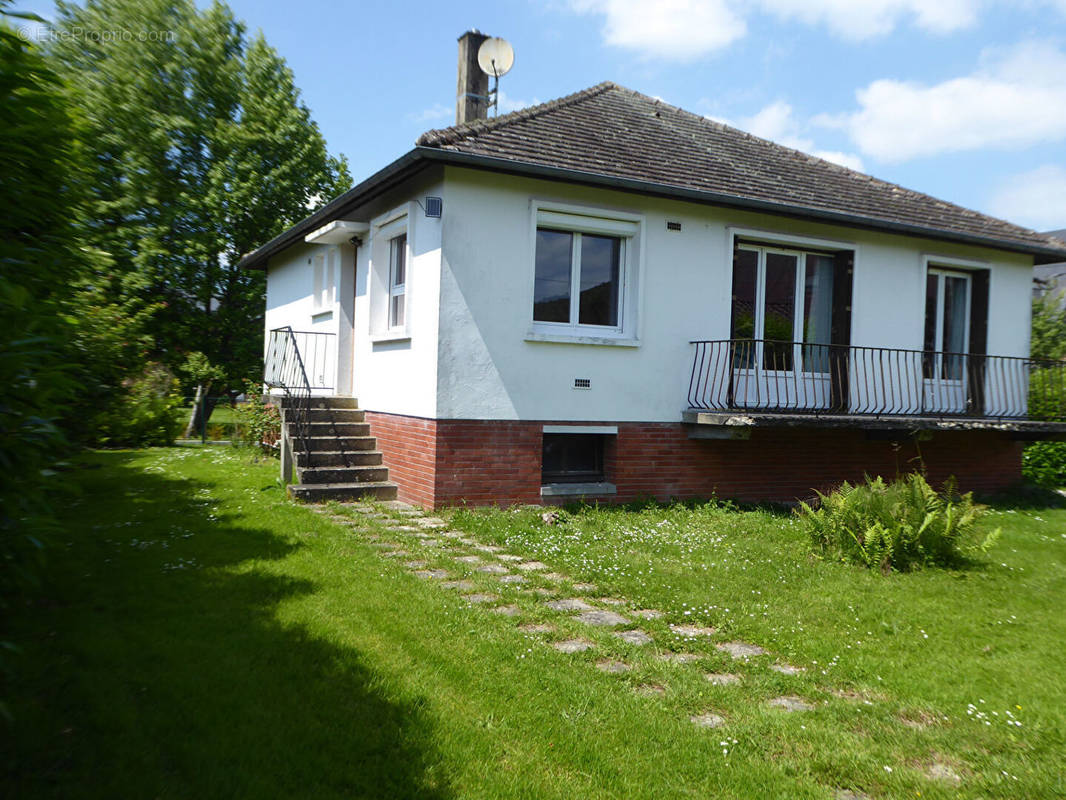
{"points": [[495, 57]]}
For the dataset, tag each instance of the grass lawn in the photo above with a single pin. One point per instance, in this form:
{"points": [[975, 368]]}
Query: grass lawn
{"points": [[198, 635]]}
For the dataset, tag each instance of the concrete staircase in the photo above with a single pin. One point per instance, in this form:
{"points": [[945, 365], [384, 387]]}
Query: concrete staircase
{"points": [[343, 462]]}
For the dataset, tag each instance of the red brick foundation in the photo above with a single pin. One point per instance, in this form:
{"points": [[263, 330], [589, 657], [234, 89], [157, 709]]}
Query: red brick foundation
{"points": [[497, 462]]}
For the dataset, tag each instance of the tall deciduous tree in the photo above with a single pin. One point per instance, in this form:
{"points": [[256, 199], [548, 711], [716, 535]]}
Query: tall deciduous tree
{"points": [[201, 150]]}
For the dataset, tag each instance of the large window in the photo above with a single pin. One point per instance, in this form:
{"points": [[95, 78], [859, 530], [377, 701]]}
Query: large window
{"points": [[583, 274], [397, 280], [782, 297]]}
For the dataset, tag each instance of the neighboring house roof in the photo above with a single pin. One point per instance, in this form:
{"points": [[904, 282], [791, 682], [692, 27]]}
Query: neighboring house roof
{"points": [[612, 136], [1051, 278]]}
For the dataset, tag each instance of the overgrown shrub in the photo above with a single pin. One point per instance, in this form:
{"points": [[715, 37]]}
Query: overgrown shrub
{"points": [[902, 525], [145, 413], [1044, 463], [259, 421]]}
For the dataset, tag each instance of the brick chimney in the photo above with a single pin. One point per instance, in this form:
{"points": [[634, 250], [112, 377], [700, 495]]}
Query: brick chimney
{"points": [[471, 101]]}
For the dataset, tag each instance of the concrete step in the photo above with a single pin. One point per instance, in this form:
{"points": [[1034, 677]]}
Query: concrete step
{"points": [[338, 458], [323, 402], [318, 444], [336, 415], [321, 492], [319, 475], [338, 429]]}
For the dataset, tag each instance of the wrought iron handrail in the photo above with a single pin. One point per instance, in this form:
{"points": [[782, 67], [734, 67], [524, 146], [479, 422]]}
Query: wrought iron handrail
{"points": [[284, 369], [783, 376]]}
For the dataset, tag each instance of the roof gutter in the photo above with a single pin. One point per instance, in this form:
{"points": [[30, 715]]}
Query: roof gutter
{"points": [[420, 157]]}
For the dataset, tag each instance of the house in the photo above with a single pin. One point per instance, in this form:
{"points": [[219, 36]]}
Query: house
{"points": [[609, 297], [1049, 280]]}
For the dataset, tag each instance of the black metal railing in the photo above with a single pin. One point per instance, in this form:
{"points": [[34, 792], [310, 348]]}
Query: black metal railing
{"points": [[779, 376], [284, 369]]}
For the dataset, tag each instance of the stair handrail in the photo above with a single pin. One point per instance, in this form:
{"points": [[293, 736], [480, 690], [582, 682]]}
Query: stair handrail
{"points": [[283, 369]]}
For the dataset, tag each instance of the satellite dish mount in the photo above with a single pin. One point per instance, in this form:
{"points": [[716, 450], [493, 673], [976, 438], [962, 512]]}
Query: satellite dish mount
{"points": [[495, 57]]}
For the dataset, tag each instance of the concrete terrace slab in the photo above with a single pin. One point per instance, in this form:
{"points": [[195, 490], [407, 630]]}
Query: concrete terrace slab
{"points": [[740, 650], [493, 569], [570, 604], [573, 646], [638, 638], [790, 702], [604, 618], [512, 579], [707, 720], [722, 678]]}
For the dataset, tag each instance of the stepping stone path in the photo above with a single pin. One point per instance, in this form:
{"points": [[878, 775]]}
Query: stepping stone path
{"points": [[638, 638], [481, 598], [463, 586], [790, 702], [693, 630], [722, 678], [416, 525], [939, 771], [680, 658], [708, 720], [570, 604], [536, 627], [604, 618], [650, 690], [740, 650], [847, 794]]}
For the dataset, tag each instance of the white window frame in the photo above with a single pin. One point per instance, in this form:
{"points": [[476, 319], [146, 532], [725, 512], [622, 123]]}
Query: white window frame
{"points": [[397, 289], [383, 230], [324, 279], [578, 220]]}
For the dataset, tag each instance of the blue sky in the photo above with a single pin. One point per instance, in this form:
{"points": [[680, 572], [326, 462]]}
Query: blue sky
{"points": [[962, 99]]}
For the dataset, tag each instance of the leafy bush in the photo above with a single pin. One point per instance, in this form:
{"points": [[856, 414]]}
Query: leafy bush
{"points": [[1044, 463], [901, 526], [259, 421], [144, 415]]}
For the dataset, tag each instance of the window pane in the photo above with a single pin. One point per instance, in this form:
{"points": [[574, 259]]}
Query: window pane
{"points": [[572, 457], [779, 311], [398, 260], [551, 286], [955, 323], [600, 262], [745, 273], [396, 311], [817, 311]]}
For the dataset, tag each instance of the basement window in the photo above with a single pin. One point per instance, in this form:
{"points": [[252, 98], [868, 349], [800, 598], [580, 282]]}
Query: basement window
{"points": [[573, 458]]}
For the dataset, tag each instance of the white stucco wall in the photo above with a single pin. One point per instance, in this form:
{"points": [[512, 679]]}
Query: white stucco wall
{"points": [[488, 370]]}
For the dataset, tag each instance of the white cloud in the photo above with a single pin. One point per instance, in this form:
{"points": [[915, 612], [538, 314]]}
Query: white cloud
{"points": [[1036, 198], [438, 112], [1016, 98], [863, 19], [672, 30], [776, 123], [683, 30], [507, 104]]}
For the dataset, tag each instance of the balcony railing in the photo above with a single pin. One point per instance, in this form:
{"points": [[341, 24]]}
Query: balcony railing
{"points": [[317, 354], [796, 377]]}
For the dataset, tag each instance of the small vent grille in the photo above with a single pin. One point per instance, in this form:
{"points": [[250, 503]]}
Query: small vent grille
{"points": [[434, 205], [673, 226], [582, 383]]}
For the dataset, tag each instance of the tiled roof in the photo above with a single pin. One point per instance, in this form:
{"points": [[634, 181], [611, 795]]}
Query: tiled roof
{"points": [[612, 131]]}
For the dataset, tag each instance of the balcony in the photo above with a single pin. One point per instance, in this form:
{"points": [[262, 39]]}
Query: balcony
{"points": [[744, 383]]}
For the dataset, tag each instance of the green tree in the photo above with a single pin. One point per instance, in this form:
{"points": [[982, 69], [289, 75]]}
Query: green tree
{"points": [[1049, 330], [201, 150]]}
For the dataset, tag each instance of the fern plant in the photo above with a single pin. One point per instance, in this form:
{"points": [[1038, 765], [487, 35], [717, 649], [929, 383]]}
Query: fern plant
{"points": [[902, 525]]}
